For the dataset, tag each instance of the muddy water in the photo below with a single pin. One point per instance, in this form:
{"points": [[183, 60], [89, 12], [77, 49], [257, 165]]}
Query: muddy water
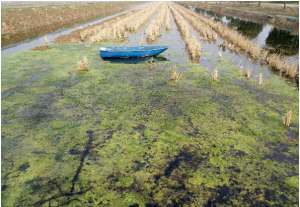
{"points": [[265, 35]]}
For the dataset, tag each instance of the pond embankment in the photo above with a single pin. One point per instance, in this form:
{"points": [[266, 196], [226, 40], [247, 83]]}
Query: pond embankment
{"points": [[24, 21]]}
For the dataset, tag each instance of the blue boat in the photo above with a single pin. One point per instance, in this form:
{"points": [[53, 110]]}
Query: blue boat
{"points": [[131, 52]]}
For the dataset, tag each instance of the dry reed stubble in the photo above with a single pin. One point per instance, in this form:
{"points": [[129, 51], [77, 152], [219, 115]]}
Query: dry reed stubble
{"points": [[175, 76], [192, 44], [83, 64], [241, 43], [260, 79], [215, 75], [287, 119]]}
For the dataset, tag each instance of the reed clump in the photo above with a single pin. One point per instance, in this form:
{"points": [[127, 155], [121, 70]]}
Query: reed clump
{"points": [[279, 64], [215, 75], [139, 19], [83, 64], [238, 43], [204, 31], [192, 44], [175, 76], [168, 19], [260, 79], [119, 28], [160, 23], [287, 119]]}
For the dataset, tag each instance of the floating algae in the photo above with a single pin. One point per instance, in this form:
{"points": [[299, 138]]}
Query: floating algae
{"points": [[121, 135]]}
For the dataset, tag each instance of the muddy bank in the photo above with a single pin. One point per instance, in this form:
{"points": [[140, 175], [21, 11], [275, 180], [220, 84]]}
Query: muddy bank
{"points": [[21, 23], [254, 14]]}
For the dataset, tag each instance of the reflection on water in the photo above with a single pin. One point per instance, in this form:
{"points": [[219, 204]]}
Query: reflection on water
{"points": [[265, 35], [136, 60], [247, 28], [260, 39], [210, 59], [283, 42]]}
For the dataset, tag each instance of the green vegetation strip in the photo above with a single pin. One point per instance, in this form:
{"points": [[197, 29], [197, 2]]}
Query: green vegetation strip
{"points": [[124, 135]]}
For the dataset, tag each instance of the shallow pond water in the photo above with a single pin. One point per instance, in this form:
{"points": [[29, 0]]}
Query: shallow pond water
{"points": [[265, 35], [177, 52]]}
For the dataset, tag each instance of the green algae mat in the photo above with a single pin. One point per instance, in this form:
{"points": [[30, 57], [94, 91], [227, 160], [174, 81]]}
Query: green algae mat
{"points": [[125, 135]]}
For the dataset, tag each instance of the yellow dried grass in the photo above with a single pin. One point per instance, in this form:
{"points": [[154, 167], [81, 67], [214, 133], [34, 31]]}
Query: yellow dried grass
{"points": [[175, 76], [260, 79], [237, 42], [118, 28], [215, 75], [205, 31], [192, 44], [287, 119], [162, 21], [83, 64]]}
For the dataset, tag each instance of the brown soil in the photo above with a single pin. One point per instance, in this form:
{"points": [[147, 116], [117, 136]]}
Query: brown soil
{"points": [[23, 22], [41, 48]]}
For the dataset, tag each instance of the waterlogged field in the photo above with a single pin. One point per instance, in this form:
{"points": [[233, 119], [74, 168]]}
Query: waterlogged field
{"points": [[126, 135], [204, 124], [29, 20]]}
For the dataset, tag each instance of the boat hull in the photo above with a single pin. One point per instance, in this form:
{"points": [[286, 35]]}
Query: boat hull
{"points": [[131, 52]]}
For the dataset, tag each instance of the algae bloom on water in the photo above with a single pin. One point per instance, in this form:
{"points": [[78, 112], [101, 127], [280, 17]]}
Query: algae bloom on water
{"points": [[121, 135]]}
